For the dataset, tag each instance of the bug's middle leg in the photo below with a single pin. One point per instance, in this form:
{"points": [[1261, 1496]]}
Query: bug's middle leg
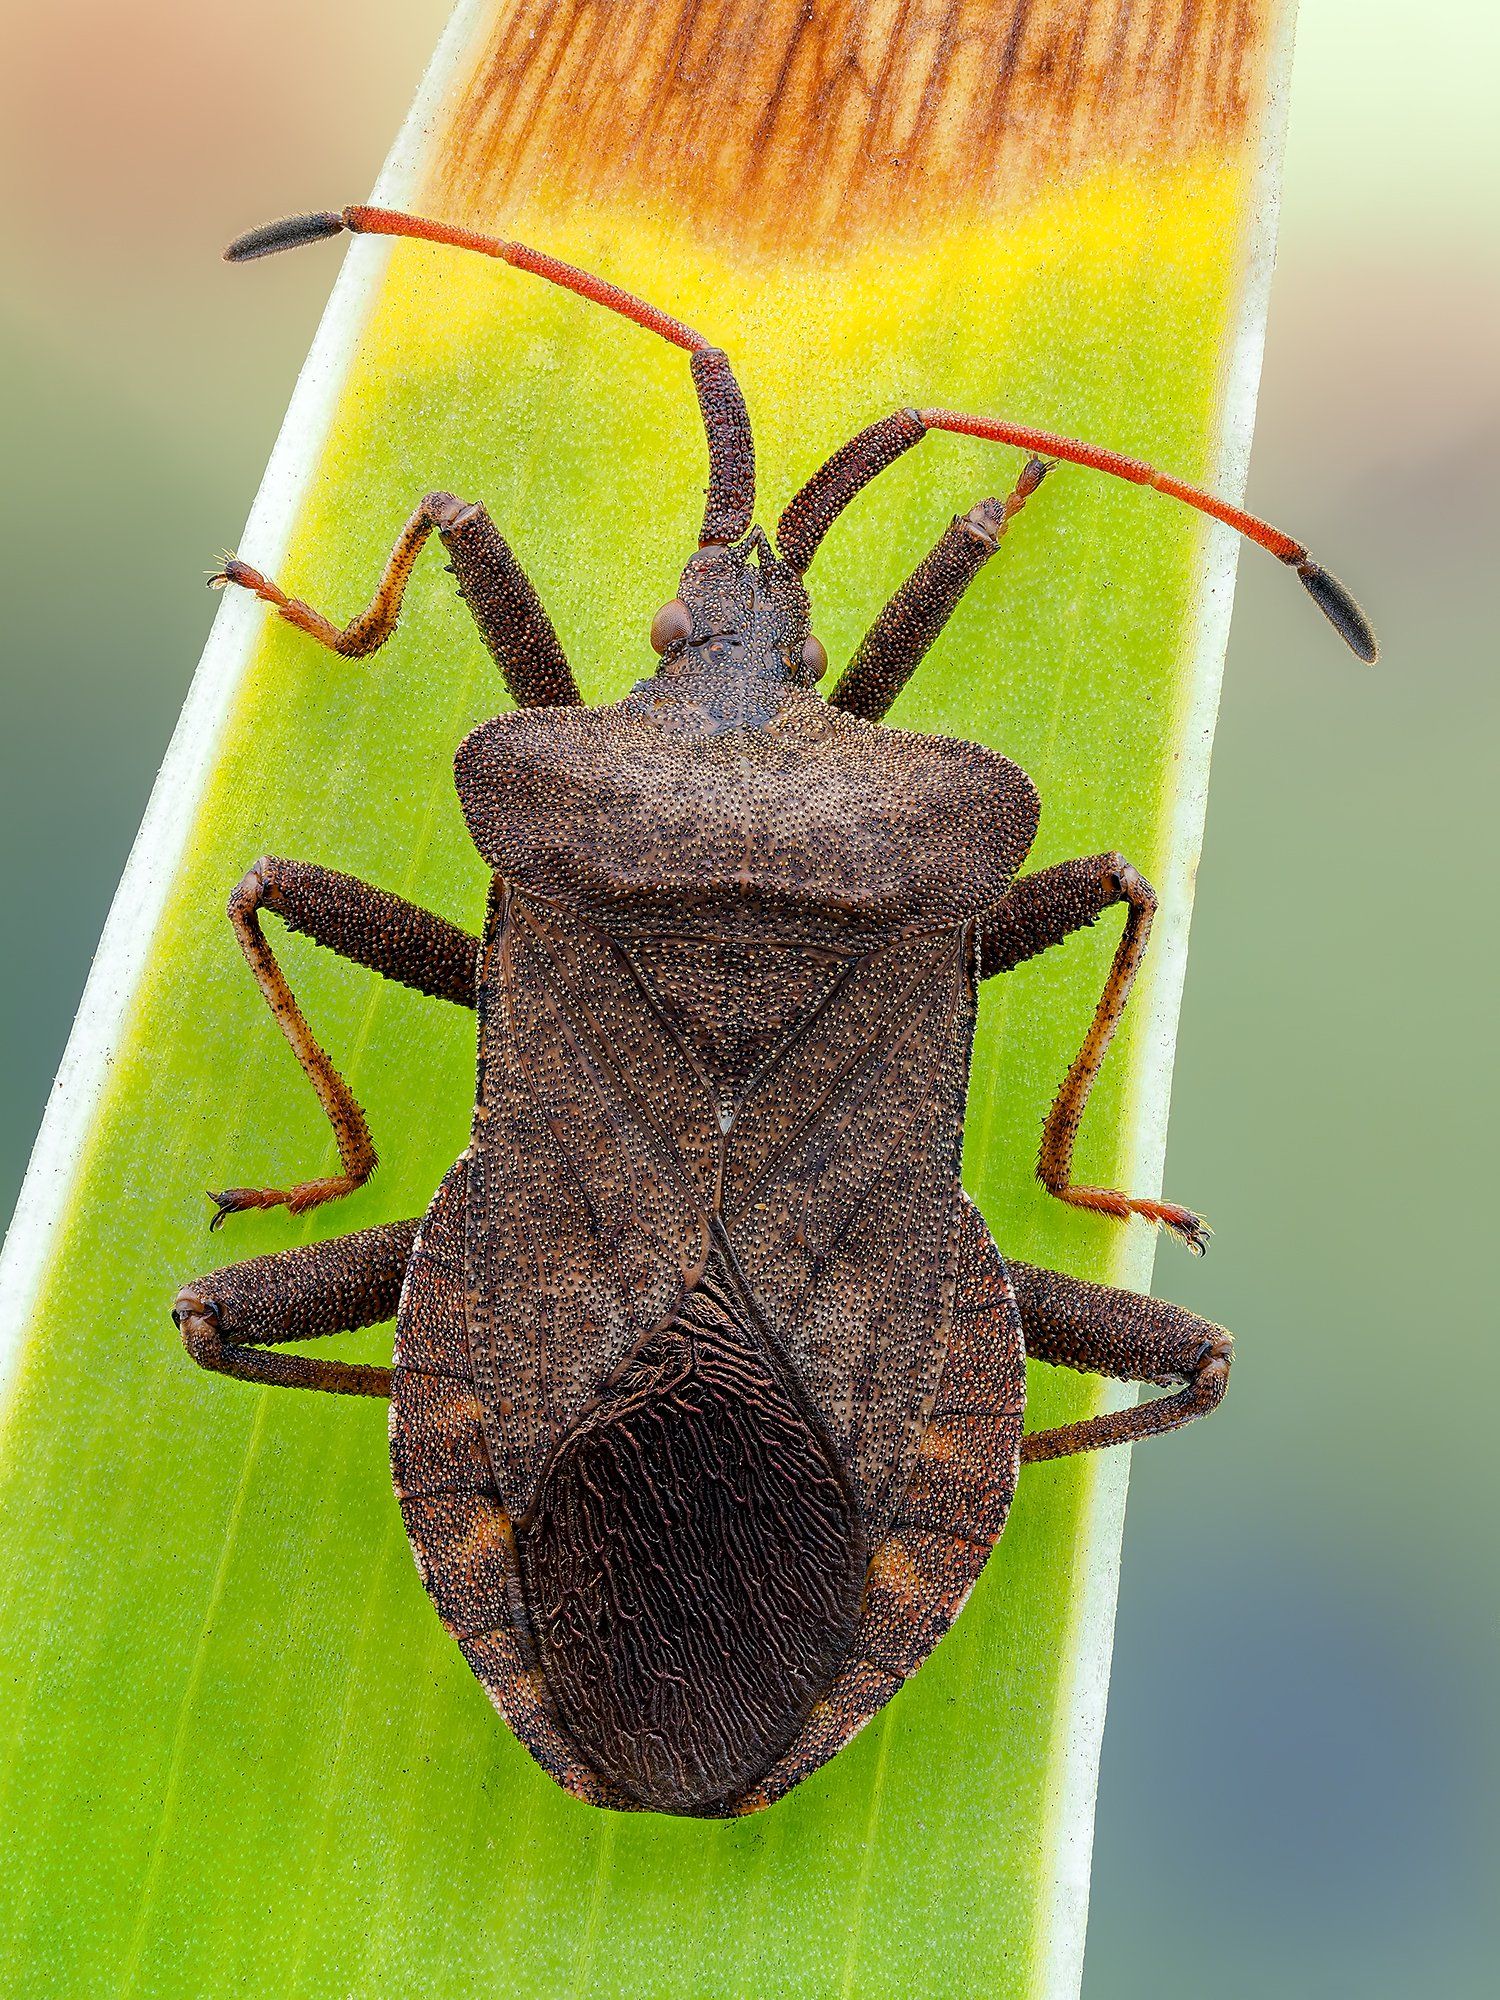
{"points": [[1039, 912], [500, 597], [373, 928]]}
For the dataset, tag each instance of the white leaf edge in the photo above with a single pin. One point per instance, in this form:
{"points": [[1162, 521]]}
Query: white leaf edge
{"points": [[1078, 1721]]}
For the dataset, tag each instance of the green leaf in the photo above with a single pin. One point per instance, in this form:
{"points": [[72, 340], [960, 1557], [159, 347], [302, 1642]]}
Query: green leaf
{"points": [[238, 1752]]}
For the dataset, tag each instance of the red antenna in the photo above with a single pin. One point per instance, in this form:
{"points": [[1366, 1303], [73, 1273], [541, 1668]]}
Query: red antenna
{"points": [[731, 451], [1330, 596]]}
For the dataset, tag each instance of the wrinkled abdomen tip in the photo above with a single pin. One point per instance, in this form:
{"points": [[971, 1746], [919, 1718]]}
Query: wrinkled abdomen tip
{"points": [[1341, 611], [287, 234]]}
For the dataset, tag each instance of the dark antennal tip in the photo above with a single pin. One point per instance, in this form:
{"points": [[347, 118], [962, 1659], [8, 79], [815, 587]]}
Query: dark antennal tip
{"points": [[288, 234], [1341, 611]]}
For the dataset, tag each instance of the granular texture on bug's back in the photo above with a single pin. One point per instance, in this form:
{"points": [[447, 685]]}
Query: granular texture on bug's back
{"points": [[589, 1624], [712, 1222], [747, 829], [707, 1397]]}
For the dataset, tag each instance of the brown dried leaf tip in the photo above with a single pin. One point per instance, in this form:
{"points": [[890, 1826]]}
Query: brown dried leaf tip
{"points": [[791, 126]]}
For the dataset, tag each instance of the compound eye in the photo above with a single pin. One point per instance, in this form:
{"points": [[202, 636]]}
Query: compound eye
{"points": [[814, 657], [673, 622]]}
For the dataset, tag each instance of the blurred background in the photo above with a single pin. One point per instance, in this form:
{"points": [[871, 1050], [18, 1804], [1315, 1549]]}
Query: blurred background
{"points": [[1300, 1767]]}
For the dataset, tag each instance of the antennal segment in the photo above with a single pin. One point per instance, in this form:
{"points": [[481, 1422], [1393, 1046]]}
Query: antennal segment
{"points": [[731, 448], [1330, 596], [812, 512], [287, 234]]}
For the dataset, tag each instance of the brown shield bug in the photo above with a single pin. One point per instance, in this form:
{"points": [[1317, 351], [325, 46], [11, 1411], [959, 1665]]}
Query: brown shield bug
{"points": [[706, 1402]]}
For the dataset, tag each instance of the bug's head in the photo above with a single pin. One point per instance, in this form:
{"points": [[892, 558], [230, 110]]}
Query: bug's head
{"points": [[740, 621]]}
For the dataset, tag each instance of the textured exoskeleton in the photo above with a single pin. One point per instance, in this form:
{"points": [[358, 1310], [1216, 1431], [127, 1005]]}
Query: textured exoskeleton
{"points": [[707, 1395]]}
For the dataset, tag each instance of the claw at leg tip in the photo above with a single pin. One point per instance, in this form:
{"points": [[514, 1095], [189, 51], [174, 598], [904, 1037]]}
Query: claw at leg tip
{"points": [[1188, 1228], [1197, 1235], [224, 1204]]}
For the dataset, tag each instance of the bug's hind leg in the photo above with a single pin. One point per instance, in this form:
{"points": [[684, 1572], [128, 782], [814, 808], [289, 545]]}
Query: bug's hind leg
{"points": [[501, 600], [1102, 1331], [898, 641], [229, 1316]]}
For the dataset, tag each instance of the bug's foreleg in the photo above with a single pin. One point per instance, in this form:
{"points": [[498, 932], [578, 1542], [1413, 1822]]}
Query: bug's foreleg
{"points": [[369, 629], [1040, 911], [511, 618], [902, 635], [374, 929], [1101, 1331], [227, 1317]]}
